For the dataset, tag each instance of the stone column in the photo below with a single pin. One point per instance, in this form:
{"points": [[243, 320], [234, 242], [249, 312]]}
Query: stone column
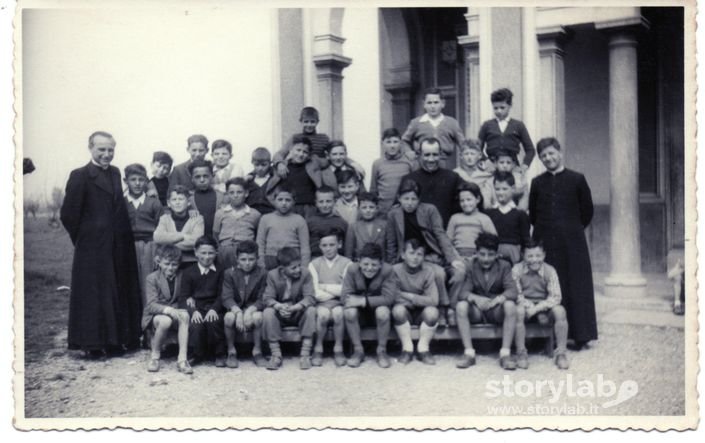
{"points": [[473, 101], [625, 278], [330, 63], [402, 104], [552, 83]]}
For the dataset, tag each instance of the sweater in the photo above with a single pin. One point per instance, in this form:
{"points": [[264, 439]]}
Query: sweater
{"points": [[386, 178], [439, 188], [463, 229], [447, 132], [362, 232], [241, 290], [379, 291], [318, 224], [161, 185], [330, 274], [205, 289], [541, 287], [145, 218], [230, 224], [166, 233], [282, 289], [512, 139], [257, 195], [420, 281], [512, 227], [299, 180], [347, 211], [276, 231]]}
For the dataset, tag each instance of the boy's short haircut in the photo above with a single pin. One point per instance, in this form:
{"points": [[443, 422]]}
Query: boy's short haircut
{"points": [[504, 153], [197, 138], [135, 169], [301, 139], [169, 253], [162, 157], [284, 188], [247, 247], [504, 176], [371, 250], [487, 241], [409, 185], [333, 144], [531, 244], [502, 95], [205, 240], [469, 187], [345, 176], [390, 132], [415, 244], [238, 181], [471, 143], [325, 189], [546, 143], [368, 197], [288, 255], [200, 164], [309, 113], [333, 230], [178, 189], [433, 91], [220, 144], [261, 155]]}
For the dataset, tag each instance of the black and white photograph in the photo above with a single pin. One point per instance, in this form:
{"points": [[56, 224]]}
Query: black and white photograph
{"points": [[358, 215]]}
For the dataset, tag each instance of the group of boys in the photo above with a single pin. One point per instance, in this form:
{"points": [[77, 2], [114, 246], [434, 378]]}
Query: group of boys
{"points": [[298, 242]]}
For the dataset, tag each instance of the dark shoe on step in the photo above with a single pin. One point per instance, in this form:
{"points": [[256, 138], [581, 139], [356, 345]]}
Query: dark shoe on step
{"points": [[231, 361], [426, 358], [305, 362], [339, 359], [219, 361], [405, 357], [275, 362], [184, 367], [466, 361], [317, 359], [153, 365], [383, 360], [562, 361], [522, 360], [259, 360], [508, 363], [356, 359]]}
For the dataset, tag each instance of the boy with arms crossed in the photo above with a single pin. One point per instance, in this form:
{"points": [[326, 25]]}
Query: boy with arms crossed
{"points": [[367, 296]]}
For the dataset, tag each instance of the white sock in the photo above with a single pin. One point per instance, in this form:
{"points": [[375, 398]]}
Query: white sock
{"points": [[425, 335], [404, 333], [504, 352], [470, 352]]}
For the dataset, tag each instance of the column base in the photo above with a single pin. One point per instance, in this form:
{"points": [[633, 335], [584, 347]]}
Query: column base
{"points": [[625, 285]]}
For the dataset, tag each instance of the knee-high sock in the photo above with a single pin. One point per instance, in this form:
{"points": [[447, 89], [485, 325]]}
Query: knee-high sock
{"points": [[425, 335], [275, 348], [561, 329], [520, 336], [404, 333]]}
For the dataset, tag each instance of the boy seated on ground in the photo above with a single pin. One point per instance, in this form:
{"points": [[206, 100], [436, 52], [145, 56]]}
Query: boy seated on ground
{"points": [[540, 297], [201, 285], [488, 295], [243, 286], [414, 285], [289, 301], [161, 311], [367, 297], [327, 274]]}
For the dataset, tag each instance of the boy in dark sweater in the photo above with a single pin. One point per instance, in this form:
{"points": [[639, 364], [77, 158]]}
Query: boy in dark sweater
{"points": [[201, 286], [309, 120], [258, 179], [206, 200], [159, 183], [324, 219], [144, 213], [243, 286], [512, 224]]}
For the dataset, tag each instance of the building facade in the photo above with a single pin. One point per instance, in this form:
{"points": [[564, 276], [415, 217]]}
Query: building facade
{"points": [[607, 82]]}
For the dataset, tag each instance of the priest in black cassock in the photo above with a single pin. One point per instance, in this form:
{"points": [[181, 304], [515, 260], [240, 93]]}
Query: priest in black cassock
{"points": [[105, 307], [560, 208]]}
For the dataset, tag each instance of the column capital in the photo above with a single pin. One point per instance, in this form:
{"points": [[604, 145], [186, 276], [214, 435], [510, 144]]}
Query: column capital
{"points": [[331, 65], [552, 39], [631, 25]]}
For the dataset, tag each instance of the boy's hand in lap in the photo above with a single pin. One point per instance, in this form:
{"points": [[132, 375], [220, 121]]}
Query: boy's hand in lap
{"points": [[355, 301], [190, 302], [197, 318], [211, 315], [240, 322]]}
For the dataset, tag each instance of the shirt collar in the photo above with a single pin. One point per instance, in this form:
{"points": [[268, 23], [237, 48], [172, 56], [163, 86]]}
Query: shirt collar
{"points": [[525, 269], [506, 208], [427, 118], [352, 204], [330, 263], [203, 270], [99, 166], [557, 171], [136, 201], [504, 120]]}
